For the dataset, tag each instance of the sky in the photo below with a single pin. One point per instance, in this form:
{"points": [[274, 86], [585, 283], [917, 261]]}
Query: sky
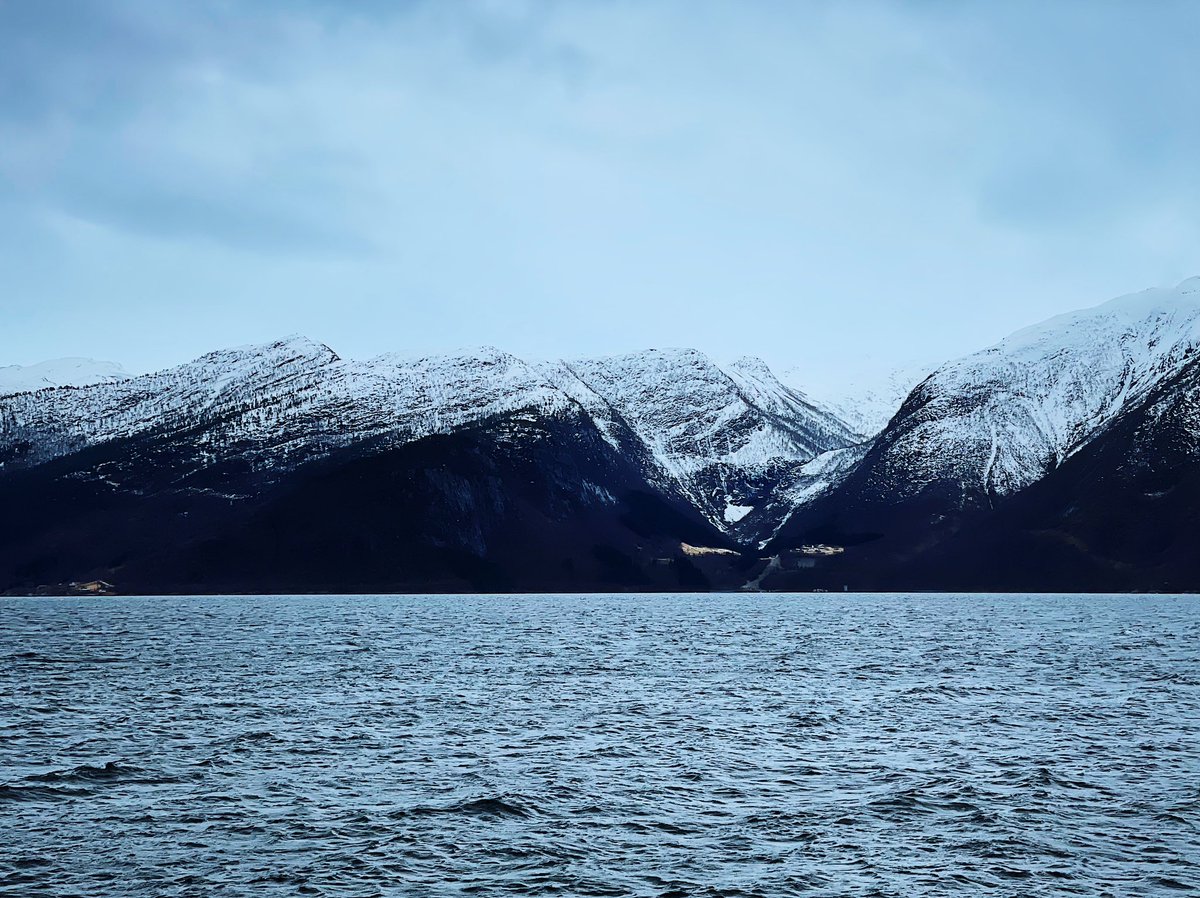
{"points": [[837, 188]]}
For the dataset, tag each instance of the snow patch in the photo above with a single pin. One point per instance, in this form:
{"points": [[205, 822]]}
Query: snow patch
{"points": [[734, 513]]}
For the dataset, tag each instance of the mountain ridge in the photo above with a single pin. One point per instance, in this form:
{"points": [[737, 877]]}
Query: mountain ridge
{"points": [[658, 467], [699, 428], [989, 433]]}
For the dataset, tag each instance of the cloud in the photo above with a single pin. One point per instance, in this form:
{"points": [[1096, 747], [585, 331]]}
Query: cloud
{"points": [[575, 176], [204, 120], [1089, 110]]}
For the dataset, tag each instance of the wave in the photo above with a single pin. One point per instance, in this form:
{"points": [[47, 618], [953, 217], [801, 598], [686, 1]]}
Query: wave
{"points": [[480, 807], [40, 658], [111, 770], [15, 793]]}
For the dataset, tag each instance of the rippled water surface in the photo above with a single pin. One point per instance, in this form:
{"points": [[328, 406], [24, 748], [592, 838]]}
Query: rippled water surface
{"points": [[600, 745]]}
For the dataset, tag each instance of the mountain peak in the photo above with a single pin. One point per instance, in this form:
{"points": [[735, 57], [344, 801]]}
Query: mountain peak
{"points": [[1189, 285], [297, 345], [292, 349], [1000, 419], [66, 372], [752, 365]]}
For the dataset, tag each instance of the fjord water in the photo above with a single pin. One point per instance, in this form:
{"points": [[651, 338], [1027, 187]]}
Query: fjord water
{"points": [[600, 745]]}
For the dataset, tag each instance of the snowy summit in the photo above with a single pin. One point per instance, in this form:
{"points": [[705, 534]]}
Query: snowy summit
{"points": [[71, 372]]}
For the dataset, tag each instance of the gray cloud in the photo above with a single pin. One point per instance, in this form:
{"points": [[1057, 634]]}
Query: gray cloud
{"points": [[587, 176], [209, 120], [1094, 110]]}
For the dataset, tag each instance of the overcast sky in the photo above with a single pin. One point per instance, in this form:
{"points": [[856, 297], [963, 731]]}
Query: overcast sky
{"points": [[829, 186]]}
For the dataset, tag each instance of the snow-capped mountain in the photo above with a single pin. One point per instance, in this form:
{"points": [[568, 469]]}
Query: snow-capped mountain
{"points": [[1119, 514], [71, 372], [221, 397], [996, 421], [1067, 455], [724, 438], [717, 438]]}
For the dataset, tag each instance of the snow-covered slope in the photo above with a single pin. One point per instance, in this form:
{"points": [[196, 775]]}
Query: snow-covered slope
{"points": [[723, 438], [72, 372], [864, 400], [813, 425], [693, 414], [220, 398], [718, 439], [996, 421]]}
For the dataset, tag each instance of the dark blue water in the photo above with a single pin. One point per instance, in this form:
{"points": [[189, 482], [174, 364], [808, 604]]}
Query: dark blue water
{"points": [[632, 745]]}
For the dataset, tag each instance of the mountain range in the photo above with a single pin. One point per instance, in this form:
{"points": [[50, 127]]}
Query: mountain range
{"points": [[1065, 457]]}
